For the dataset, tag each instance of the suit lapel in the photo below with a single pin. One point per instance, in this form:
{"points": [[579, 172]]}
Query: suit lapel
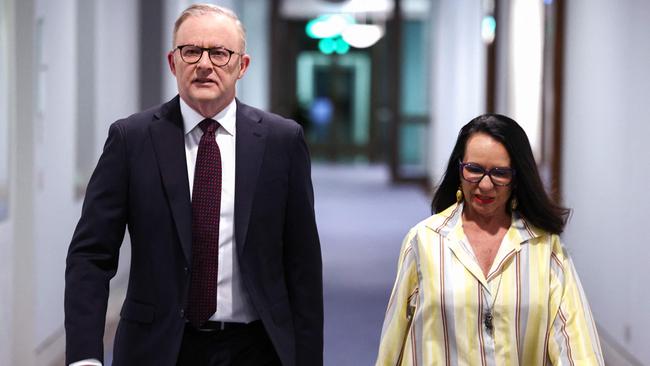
{"points": [[249, 150], [168, 139]]}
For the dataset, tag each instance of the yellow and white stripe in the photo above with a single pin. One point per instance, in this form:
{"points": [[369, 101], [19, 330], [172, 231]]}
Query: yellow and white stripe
{"points": [[436, 312]]}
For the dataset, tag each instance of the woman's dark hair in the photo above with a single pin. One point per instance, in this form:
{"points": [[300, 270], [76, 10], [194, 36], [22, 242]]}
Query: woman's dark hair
{"points": [[533, 202]]}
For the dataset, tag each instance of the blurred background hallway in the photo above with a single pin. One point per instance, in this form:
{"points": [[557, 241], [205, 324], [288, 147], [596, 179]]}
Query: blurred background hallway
{"points": [[380, 115]]}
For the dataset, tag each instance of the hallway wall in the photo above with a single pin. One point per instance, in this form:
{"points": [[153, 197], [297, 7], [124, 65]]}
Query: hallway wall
{"points": [[458, 80], [46, 90], [606, 160], [6, 250], [57, 206], [54, 135]]}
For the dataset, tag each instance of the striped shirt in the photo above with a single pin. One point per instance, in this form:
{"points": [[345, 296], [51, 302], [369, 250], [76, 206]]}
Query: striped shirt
{"points": [[529, 310]]}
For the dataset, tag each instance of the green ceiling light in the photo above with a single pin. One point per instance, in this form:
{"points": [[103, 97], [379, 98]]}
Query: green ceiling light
{"points": [[328, 26], [309, 28], [336, 44], [327, 46], [342, 47]]}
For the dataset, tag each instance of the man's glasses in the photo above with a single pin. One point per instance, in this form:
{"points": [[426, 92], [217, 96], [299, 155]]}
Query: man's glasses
{"points": [[219, 56], [474, 173]]}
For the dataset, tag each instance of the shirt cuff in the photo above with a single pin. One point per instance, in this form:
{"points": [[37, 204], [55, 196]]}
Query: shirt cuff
{"points": [[87, 362]]}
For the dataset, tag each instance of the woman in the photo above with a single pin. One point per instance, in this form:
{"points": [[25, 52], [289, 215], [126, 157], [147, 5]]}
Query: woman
{"points": [[486, 280]]}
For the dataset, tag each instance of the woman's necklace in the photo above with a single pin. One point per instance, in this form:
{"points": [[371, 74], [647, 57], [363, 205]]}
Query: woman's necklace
{"points": [[488, 317]]}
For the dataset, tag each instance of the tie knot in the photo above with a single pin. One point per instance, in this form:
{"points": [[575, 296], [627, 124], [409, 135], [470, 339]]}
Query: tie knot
{"points": [[208, 125]]}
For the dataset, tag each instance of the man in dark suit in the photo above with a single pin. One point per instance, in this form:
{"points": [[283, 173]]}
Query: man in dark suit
{"points": [[217, 197]]}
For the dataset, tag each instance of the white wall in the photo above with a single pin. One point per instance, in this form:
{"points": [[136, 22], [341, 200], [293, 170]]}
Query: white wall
{"points": [[44, 210], [54, 136], [56, 207], [19, 264], [605, 162], [117, 64], [254, 88], [6, 253], [458, 78]]}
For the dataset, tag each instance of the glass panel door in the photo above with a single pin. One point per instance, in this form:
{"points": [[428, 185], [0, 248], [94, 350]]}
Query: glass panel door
{"points": [[333, 94]]}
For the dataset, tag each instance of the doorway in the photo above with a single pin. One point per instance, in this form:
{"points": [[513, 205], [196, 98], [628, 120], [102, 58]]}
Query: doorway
{"points": [[333, 94]]}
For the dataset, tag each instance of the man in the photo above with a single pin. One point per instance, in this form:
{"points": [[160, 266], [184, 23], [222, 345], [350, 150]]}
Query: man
{"points": [[225, 265]]}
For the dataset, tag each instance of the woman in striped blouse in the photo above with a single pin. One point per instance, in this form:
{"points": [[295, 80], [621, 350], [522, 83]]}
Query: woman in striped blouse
{"points": [[486, 279]]}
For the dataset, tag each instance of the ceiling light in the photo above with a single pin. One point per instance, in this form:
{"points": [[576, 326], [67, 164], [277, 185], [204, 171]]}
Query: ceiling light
{"points": [[362, 35], [327, 26]]}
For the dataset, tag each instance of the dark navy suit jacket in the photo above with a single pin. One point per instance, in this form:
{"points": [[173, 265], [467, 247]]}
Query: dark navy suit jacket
{"points": [[141, 183]]}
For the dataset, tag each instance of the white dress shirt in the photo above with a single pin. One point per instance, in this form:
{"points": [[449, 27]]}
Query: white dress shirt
{"points": [[233, 304]]}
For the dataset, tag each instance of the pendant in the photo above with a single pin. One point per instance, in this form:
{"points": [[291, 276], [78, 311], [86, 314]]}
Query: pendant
{"points": [[488, 322]]}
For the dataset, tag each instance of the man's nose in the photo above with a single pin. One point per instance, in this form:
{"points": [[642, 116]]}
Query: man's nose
{"points": [[205, 61]]}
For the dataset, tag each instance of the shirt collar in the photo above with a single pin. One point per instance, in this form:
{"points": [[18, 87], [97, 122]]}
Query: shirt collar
{"points": [[449, 223], [226, 118]]}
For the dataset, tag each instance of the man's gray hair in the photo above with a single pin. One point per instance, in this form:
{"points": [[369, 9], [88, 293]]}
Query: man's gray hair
{"points": [[202, 9]]}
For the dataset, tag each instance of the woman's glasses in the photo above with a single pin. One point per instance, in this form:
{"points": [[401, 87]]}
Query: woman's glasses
{"points": [[474, 173]]}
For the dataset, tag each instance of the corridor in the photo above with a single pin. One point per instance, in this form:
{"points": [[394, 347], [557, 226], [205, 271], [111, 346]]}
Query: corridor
{"points": [[573, 73]]}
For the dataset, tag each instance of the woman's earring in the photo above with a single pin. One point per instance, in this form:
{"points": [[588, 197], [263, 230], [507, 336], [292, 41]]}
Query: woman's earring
{"points": [[513, 203], [459, 195]]}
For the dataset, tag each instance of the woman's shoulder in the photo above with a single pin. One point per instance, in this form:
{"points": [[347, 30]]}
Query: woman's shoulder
{"points": [[438, 223], [536, 236]]}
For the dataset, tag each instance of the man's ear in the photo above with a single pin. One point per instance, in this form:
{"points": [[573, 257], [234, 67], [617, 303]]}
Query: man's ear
{"points": [[170, 61], [245, 61]]}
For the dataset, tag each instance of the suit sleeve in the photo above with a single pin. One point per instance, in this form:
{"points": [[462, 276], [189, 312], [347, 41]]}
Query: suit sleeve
{"points": [[302, 258], [94, 250]]}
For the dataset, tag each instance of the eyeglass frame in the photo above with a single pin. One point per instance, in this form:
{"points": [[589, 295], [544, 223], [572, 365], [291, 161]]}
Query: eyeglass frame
{"points": [[462, 165], [206, 49]]}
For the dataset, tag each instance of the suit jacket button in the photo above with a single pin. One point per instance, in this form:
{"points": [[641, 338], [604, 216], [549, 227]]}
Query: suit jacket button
{"points": [[182, 312], [186, 270]]}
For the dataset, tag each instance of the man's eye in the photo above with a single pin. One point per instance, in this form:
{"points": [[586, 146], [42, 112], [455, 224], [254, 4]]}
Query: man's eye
{"points": [[219, 53]]}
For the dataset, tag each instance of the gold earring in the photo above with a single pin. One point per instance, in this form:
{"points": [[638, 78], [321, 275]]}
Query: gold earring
{"points": [[513, 203], [459, 195]]}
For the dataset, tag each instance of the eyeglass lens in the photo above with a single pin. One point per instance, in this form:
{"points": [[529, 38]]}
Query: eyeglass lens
{"points": [[192, 54], [475, 173]]}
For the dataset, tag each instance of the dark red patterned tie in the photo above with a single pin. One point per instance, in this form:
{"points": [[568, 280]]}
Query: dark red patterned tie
{"points": [[206, 204]]}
